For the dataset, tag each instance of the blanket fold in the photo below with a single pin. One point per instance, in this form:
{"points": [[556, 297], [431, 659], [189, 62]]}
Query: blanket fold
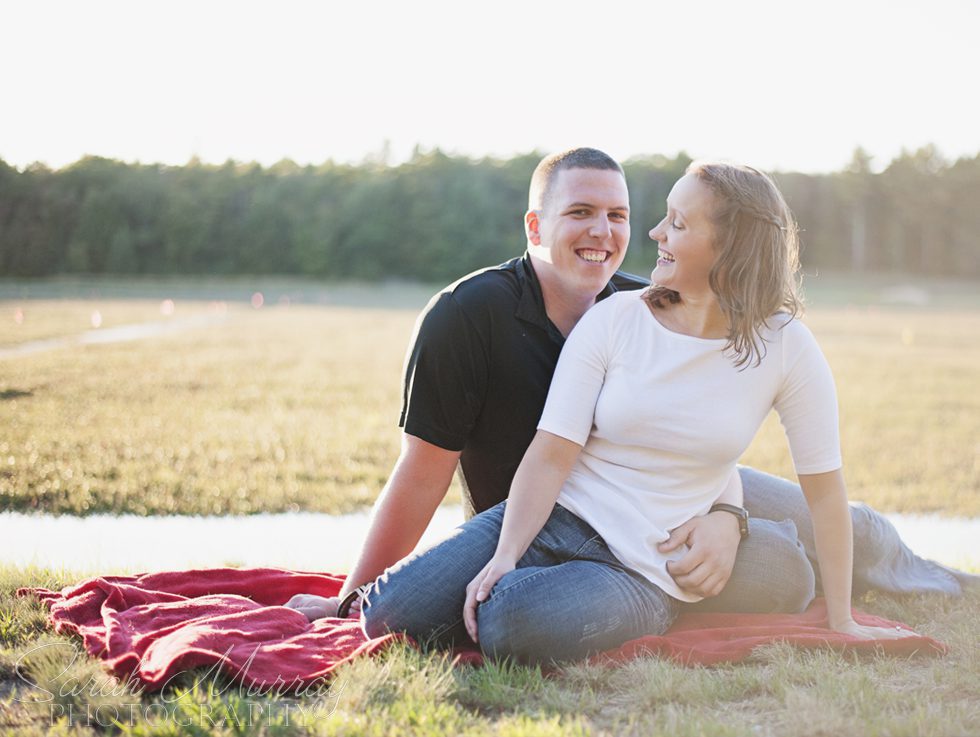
{"points": [[151, 627]]}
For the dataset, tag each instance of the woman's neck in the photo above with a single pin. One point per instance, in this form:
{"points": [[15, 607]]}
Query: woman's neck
{"points": [[698, 317]]}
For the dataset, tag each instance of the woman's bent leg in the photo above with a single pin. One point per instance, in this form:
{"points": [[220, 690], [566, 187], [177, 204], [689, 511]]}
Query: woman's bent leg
{"points": [[569, 597], [423, 595], [569, 611], [881, 560], [772, 574]]}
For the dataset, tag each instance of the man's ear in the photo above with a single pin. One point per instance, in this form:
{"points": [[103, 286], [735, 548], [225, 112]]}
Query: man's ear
{"points": [[532, 226]]}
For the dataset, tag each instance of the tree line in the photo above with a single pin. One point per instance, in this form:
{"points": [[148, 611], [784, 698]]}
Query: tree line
{"points": [[436, 216]]}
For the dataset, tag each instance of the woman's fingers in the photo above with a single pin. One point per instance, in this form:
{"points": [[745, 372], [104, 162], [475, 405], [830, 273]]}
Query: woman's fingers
{"points": [[478, 591], [868, 632], [469, 607]]}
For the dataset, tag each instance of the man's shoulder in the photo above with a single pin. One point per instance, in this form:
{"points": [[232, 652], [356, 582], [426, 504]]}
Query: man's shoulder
{"points": [[500, 280], [625, 282], [488, 288]]}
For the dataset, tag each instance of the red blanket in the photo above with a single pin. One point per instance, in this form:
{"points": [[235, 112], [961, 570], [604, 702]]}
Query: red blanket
{"points": [[153, 626]]}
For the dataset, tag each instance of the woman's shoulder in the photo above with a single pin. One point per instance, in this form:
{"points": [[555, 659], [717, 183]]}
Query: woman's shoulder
{"points": [[795, 340], [786, 326], [612, 314], [623, 300]]}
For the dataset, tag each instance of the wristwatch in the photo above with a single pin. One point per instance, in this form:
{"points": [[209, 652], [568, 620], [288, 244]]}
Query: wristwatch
{"points": [[740, 512]]}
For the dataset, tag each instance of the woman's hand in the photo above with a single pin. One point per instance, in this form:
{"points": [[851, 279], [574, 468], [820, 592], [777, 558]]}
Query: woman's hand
{"points": [[868, 632], [314, 607], [479, 589]]}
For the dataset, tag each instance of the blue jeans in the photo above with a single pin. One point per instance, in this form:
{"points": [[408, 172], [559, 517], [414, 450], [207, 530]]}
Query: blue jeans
{"points": [[881, 560], [569, 596], [597, 604]]}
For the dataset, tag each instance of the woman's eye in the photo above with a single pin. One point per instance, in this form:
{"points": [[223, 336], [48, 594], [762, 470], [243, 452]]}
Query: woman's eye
{"points": [[675, 225]]}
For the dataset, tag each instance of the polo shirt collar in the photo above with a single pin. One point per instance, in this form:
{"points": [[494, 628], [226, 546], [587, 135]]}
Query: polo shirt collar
{"points": [[530, 307]]}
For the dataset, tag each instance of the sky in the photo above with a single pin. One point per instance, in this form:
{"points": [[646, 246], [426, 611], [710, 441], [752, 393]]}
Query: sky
{"points": [[779, 84]]}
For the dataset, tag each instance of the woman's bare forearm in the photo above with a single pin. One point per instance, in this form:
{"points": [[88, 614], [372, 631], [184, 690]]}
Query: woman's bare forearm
{"points": [[826, 496], [534, 491]]}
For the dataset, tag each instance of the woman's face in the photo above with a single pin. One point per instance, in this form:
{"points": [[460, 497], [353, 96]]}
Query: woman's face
{"points": [[686, 238]]}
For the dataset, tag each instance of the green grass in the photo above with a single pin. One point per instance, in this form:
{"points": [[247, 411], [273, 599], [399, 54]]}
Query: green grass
{"points": [[296, 408], [780, 691], [276, 409]]}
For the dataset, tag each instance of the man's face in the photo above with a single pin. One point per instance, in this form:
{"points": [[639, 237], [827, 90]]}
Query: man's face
{"points": [[583, 229]]}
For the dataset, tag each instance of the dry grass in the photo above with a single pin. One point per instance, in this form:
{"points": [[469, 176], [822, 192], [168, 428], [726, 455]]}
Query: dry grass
{"points": [[296, 408], [282, 409], [780, 691]]}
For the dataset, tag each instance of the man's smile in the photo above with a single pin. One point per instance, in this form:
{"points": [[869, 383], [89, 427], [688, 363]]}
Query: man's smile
{"points": [[592, 256]]}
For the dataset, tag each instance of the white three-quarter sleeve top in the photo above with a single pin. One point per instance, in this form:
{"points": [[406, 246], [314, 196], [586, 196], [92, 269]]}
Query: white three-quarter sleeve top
{"points": [[663, 418]]}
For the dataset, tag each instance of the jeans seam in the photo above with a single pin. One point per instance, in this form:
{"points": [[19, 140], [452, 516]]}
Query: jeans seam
{"points": [[523, 580], [581, 547]]}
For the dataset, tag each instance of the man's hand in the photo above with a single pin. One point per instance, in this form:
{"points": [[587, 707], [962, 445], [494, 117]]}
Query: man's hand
{"points": [[314, 607], [713, 541]]}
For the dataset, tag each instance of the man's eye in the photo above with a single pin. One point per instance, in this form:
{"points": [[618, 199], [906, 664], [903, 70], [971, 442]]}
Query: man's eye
{"points": [[676, 225]]}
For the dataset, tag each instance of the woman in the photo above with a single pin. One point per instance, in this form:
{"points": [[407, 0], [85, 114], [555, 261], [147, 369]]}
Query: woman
{"points": [[655, 397]]}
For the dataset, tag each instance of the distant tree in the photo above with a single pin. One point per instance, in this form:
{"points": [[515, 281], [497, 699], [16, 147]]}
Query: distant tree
{"points": [[436, 216]]}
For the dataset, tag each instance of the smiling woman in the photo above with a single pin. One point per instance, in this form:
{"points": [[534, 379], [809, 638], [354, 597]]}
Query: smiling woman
{"points": [[728, 238]]}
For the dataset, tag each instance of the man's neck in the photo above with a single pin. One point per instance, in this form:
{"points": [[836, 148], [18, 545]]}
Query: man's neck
{"points": [[563, 305]]}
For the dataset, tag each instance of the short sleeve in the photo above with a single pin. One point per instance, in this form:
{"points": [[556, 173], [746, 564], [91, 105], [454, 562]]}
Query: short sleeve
{"points": [[807, 403], [569, 411], [446, 370]]}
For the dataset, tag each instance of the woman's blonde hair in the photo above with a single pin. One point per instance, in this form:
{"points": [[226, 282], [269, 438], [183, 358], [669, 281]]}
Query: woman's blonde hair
{"points": [[756, 270]]}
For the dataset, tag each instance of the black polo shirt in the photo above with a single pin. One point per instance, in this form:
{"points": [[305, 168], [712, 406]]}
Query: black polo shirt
{"points": [[478, 370]]}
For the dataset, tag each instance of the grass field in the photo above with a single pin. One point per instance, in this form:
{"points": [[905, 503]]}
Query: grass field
{"points": [[295, 407], [781, 691]]}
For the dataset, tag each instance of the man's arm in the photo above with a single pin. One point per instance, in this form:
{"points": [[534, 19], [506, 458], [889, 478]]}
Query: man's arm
{"points": [[713, 541], [418, 483]]}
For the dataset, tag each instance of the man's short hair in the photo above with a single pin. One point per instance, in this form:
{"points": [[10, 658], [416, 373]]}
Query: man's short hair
{"points": [[543, 179]]}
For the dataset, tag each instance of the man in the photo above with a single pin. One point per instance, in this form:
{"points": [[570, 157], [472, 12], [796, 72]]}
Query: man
{"points": [[477, 374]]}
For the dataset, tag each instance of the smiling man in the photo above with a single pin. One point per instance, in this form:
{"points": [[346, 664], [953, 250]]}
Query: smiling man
{"points": [[476, 378]]}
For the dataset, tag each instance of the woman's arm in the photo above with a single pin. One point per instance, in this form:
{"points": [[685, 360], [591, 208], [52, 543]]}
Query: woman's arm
{"points": [[827, 498], [713, 544], [533, 492]]}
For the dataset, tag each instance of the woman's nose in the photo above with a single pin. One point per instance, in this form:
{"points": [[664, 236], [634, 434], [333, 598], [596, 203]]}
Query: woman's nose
{"points": [[657, 231]]}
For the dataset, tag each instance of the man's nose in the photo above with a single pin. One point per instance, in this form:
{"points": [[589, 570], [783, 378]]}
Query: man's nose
{"points": [[600, 228]]}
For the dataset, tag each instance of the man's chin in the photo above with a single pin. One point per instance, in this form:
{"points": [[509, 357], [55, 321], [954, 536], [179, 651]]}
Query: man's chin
{"points": [[595, 280]]}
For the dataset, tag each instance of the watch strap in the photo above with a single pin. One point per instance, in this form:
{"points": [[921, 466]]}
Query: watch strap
{"points": [[740, 512]]}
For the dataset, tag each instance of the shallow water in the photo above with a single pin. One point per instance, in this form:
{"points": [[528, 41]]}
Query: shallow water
{"points": [[305, 540]]}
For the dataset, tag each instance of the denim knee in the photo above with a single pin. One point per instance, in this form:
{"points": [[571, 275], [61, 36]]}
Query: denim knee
{"points": [[378, 618], [505, 632], [792, 570], [772, 573], [388, 607]]}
